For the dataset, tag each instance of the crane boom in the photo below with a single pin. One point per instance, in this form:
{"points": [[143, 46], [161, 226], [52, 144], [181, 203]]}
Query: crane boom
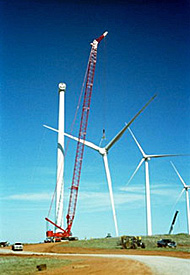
{"points": [[60, 228], [82, 132], [173, 222]]}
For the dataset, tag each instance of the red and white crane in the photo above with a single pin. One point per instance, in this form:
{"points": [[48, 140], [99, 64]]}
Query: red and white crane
{"points": [[80, 146]]}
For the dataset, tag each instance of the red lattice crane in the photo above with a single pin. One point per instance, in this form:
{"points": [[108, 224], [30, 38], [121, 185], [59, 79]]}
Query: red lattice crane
{"points": [[80, 146]]}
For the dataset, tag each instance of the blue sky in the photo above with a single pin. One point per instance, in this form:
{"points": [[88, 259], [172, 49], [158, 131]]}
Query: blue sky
{"points": [[146, 52]]}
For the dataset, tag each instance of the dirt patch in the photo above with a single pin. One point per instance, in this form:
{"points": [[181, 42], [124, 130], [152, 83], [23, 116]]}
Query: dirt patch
{"points": [[102, 267]]}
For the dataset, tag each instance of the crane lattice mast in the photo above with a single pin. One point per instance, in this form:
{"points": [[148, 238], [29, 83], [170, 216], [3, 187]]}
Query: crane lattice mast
{"points": [[82, 133]]}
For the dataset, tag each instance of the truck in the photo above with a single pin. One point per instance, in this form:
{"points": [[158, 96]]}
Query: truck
{"points": [[17, 247], [166, 243]]}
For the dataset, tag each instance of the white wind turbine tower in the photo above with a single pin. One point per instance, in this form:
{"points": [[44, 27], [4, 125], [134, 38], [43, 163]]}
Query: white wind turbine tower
{"points": [[103, 151], [185, 188], [145, 159]]}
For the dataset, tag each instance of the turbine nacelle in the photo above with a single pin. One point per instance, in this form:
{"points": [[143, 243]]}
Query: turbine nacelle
{"points": [[146, 157], [103, 151]]}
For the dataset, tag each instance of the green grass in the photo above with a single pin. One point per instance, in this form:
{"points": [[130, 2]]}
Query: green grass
{"points": [[27, 265], [182, 240]]}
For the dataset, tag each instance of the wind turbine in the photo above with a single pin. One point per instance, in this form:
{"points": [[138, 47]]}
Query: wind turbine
{"points": [[103, 151], [185, 188], [145, 159]]}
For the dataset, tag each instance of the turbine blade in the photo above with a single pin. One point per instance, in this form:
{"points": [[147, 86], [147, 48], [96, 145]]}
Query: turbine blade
{"points": [[109, 181], [139, 165], [184, 184], [178, 198], [51, 128], [165, 155], [140, 148], [87, 143], [118, 136]]}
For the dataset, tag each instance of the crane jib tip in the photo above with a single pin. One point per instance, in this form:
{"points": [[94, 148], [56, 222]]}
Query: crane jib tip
{"points": [[101, 37], [105, 33]]}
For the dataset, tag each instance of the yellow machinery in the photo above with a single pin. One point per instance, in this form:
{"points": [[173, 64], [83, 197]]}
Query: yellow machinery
{"points": [[132, 242]]}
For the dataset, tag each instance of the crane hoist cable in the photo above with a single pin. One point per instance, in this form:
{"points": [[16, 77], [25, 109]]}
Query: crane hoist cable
{"points": [[104, 93], [77, 109], [104, 109]]}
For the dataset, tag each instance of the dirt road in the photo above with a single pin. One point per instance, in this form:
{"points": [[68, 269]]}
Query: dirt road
{"points": [[103, 261], [60, 248]]}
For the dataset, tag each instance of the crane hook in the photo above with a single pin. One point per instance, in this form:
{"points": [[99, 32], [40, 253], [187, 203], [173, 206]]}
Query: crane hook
{"points": [[104, 134]]}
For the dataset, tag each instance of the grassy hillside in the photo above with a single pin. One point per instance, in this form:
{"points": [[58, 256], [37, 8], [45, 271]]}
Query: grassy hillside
{"points": [[105, 243], [182, 240]]}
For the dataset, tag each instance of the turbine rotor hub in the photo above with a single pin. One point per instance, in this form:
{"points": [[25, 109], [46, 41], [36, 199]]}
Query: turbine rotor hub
{"points": [[102, 151]]}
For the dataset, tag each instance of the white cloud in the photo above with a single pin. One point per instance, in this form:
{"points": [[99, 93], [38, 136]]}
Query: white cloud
{"points": [[30, 197], [133, 189], [130, 197], [155, 189], [96, 202], [89, 201]]}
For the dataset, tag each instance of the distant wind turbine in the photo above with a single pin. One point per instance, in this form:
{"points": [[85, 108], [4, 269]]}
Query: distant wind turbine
{"points": [[103, 151], [185, 188], [145, 159]]}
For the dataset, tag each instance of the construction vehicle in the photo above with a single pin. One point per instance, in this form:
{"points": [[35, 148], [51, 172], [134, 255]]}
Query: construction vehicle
{"points": [[132, 242], [89, 78]]}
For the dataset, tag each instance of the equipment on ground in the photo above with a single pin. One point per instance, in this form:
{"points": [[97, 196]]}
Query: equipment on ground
{"points": [[173, 222], [3, 244], [41, 267], [48, 240], [17, 247], [132, 242], [66, 233], [166, 243]]}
